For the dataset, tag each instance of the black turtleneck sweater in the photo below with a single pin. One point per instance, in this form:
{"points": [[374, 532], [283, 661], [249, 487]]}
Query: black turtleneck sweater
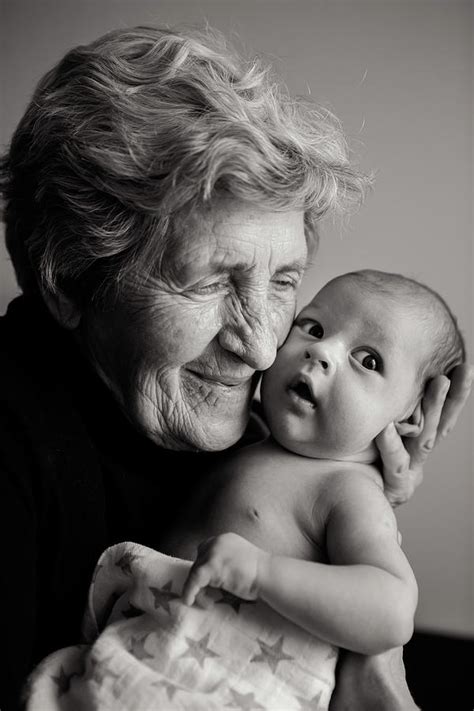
{"points": [[75, 477]]}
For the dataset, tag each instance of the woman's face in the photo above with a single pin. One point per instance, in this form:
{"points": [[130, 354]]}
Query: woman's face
{"points": [[181, 350]]}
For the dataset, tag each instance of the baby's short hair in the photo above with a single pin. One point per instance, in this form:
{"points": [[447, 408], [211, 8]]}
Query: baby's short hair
{"points": [[448, 343]]}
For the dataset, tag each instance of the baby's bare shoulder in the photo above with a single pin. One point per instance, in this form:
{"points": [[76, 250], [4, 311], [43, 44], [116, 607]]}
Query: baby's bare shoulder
{"points": [[352, 480], [250, 457], [344, 473]]}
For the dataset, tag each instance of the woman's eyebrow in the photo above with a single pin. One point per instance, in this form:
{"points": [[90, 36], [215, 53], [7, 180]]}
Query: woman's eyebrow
{"points": [[298, 266]]}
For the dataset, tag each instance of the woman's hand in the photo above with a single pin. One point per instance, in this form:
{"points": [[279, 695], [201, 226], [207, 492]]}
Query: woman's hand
{"points": [[229, 562], [403, 458]]}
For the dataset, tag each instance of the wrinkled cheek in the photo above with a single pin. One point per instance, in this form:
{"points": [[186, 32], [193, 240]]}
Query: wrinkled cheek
{"points": [[200, 330], [184, 338], [207, 320]]}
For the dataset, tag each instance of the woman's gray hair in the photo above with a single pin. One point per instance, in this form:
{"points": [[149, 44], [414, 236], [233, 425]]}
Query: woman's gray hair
{"points": [[129, 134]]}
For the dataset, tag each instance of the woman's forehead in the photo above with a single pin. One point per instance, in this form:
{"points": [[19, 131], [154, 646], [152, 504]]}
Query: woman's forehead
{"points": [[238, 236]]}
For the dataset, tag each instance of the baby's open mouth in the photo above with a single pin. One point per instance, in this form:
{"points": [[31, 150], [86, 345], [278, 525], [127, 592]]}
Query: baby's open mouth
{"points": [[303, 391]]}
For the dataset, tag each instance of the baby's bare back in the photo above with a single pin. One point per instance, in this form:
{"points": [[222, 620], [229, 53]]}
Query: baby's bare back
{"points": [[276, 499]]}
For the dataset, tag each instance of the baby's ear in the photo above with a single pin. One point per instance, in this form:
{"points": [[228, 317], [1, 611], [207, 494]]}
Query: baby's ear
{"points": [[412, 425]]}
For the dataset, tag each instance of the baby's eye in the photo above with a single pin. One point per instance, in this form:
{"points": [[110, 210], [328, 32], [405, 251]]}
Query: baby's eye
{"points": [[369, 360], [313, 328]]}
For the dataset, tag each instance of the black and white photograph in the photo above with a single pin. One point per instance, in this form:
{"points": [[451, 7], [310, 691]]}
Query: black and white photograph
{"points": [[236, 355]]}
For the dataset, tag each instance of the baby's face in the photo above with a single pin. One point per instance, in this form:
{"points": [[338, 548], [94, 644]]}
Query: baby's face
{"points": [[348, 367]]}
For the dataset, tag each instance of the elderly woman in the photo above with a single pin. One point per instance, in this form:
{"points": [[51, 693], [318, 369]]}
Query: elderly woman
{"points": [[162, 196]]}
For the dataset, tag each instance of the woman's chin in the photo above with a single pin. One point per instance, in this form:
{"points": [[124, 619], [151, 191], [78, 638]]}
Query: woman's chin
{"points": [[200, 434], [218, 437]]}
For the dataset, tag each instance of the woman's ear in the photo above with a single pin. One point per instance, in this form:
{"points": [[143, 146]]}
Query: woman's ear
{"points": [[412, 425], [63, 309]]}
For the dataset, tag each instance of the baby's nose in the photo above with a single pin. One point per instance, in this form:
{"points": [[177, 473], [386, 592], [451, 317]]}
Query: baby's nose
{"points": [[322, 362]]}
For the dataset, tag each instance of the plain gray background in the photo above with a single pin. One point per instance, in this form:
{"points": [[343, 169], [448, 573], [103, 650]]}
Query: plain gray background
{"points": [[399, 75]]}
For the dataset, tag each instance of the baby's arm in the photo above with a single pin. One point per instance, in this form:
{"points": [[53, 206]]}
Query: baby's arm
{"points": [[364, 600]]}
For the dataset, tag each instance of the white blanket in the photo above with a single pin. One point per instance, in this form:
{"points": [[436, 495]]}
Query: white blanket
{"points": [[145, 650]]}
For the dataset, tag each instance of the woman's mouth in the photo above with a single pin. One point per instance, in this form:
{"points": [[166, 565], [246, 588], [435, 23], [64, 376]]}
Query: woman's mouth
{"points": [[226, 381]]}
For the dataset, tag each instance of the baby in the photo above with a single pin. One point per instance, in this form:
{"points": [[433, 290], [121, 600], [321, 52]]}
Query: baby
{"points": [[300, 520]]}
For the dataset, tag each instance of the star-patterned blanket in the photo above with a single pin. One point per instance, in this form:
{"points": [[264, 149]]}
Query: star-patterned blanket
{"points": [[144, 649]]}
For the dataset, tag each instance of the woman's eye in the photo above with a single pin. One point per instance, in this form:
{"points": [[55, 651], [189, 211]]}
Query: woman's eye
{"points": [[369, 361], [313, 328], [213, 288], [283, 284]]}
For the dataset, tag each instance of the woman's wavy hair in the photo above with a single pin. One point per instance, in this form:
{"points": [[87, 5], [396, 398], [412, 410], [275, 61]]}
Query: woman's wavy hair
{"points": [[132, 132]]}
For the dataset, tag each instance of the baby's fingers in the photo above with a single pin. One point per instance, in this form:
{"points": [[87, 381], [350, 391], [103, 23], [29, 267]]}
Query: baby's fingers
{"points": [[198, 578], [459, 389], [433, 401], [399, 480], [395, 458]]}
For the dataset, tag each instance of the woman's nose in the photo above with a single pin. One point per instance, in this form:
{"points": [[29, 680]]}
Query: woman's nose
{"points": [[251, 336]]}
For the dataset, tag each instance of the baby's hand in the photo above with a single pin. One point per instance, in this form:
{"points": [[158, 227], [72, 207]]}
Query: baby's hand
{"points": [[229, 562]]}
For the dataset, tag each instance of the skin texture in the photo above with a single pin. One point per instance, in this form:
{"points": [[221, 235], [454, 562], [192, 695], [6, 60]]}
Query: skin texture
{"points": [[181, 351], [359, 358]]}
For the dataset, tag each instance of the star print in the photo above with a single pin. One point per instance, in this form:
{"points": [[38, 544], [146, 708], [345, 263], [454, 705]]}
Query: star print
{"points": [[63, 681], [199, 650], [163, 596], [82, 669], [309, 704], [233, 601], [214, 688], [271, 653], [125, 562], [98, 671], [246, 702], [137, 647], [168, 686], [132, 611]]}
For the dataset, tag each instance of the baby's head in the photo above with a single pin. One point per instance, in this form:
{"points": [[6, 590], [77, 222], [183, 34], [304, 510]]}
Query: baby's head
{"points": [[357, 358]]}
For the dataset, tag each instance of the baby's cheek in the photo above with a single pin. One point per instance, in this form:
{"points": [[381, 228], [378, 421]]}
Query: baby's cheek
{"points": [[348, 430]]}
